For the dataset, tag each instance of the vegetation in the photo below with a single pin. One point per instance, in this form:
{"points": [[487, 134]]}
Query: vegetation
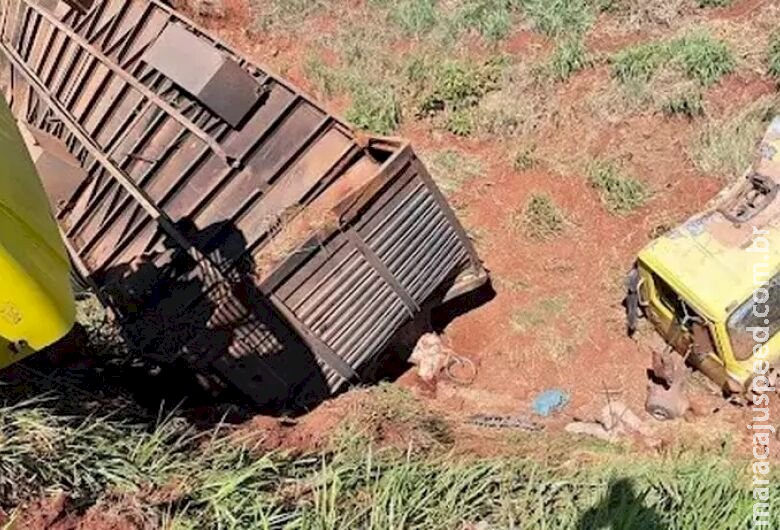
{"points": [[558, 18], [542, 219], [715, 3], [688, 104], [451, 169], [525, 159], [186, 480], [569, 57], [774, 55], [374, 109], [725, 147], [699, 56], [621, 194]]}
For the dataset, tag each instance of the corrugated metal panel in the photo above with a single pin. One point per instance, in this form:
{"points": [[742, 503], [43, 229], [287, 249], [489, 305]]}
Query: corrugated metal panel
{"points": [[182, 214]]}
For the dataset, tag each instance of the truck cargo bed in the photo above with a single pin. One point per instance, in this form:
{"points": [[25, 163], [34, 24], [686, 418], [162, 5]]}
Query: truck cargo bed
{"points": [[228, 220]]}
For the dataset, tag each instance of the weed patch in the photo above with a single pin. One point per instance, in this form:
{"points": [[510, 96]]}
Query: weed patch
{"points": [[688, 104], [569, 58], [703, 58], [774, 56], [541, 219], [715, 3], [375, 109], [558, 18], [699, 56], [620, 193], [413, 17], [525, 159]]}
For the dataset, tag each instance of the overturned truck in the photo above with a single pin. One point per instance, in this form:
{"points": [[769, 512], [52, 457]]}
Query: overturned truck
{"points": [[226, 219]]}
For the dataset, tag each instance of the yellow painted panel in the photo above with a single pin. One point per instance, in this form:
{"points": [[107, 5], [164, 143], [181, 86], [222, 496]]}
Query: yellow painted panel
{"points": [[36, 301]]}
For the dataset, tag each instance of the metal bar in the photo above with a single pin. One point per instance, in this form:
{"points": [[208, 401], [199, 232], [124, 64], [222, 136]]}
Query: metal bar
{"points": [[322, 350], [383, 271], [141, 181], [140, 87], [165, 223]]}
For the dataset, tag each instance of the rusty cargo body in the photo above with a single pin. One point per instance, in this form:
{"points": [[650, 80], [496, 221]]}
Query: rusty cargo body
{"points": [[227, 220]]}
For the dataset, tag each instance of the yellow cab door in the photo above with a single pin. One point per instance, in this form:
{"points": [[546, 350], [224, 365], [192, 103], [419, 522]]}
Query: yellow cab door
{"points": [[36, 301]]}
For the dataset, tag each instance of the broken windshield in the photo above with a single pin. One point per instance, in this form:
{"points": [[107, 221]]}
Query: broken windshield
{"points": [[759, 311]]}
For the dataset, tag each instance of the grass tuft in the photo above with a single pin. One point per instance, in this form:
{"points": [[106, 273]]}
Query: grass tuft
{"points": [[525, 159], [774, 55], [687, 104], [542, 219], [704, 58], [560, 18], [375, 109], [699, 56], [569, 58], [490, 18], [620, 193], [413, 17], [639, 62]]}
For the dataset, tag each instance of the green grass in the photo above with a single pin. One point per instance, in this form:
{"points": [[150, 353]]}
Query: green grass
{"points": [[725, 147], [414, 17], [217, 479], [639, 62], [492, 19], [452, 84], [620, 193], [375, 109], [541, 219], [568, 58], [560, 18], [773, 58], [699, 56], [703, 57]]}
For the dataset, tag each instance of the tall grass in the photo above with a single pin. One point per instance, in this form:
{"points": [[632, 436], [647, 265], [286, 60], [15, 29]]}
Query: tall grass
{"points": [[187, 479]]}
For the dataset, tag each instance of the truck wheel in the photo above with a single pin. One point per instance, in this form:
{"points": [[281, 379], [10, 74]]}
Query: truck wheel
{"points": [[666, 404]]}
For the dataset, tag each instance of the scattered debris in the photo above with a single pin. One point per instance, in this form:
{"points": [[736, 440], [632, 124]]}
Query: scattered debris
{"points": [[429, 355], [522, 423], [432, 356], [616, 420], [549, 402], [666, 392]]}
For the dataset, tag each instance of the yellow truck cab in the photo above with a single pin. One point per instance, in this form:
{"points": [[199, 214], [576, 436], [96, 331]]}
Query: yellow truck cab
{"points": [[36, 301], [711, 287]]}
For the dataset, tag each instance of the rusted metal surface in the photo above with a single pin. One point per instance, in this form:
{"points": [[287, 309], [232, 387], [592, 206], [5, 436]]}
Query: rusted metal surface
{"points": [[267, 247]]}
